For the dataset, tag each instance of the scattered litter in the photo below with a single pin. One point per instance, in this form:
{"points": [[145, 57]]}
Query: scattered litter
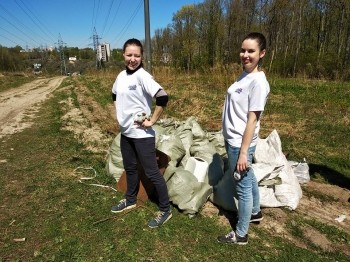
{"points": [[86, 168], [3, 161], [301, 170], [340, 218], [19, 239], [84, 178], [99, 185]]}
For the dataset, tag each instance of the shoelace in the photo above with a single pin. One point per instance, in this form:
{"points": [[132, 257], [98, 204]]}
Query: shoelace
{"points": [[159, 216], [122, 202], [230, 235]]}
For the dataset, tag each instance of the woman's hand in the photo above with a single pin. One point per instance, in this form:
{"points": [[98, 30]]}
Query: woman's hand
{"points": [[147, 123], [242, 163]]}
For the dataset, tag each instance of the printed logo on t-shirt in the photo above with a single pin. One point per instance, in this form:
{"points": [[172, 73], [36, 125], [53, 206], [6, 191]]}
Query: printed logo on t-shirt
{"points": [[133, 87], [239, 90]]}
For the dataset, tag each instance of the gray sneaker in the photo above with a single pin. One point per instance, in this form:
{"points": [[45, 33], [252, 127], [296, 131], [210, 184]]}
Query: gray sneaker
{"points": [[160, 219], [122, 206], [233, 238]]}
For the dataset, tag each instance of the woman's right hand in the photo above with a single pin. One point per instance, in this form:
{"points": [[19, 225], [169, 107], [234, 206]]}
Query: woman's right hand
{"points": [[242, 163]]}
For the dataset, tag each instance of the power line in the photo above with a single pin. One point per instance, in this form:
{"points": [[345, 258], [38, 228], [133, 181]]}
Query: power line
{"points": [[12, 35], [95, 14], [107, 17], [41, 26], [19, 29], [20, 26], [92, 19], [31, 29], [114, 17], [9, 40], [125, 28]]}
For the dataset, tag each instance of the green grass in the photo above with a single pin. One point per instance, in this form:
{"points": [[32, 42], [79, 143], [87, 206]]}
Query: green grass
{"points": [[333, 233], [319, 195], [297, 225], [62, 219], [312, 118], [99, 89]]}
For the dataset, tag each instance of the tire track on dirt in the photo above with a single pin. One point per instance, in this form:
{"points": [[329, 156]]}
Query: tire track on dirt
{"points": [[21, 102]]}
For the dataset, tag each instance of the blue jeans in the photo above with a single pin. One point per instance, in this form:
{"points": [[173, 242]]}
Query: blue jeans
{"points": [[144, 151], [247, 190]]}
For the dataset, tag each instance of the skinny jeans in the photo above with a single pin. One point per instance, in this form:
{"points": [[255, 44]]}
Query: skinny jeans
{"points": [[144, 151], [246, 187]]}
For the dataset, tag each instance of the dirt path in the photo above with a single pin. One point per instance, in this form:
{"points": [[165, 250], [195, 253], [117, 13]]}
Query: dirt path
{"points": [[22, 102]]}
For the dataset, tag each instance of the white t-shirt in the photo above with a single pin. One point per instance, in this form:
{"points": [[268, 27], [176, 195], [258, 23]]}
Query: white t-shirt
{"points": [[248, 93], [134, 95]]}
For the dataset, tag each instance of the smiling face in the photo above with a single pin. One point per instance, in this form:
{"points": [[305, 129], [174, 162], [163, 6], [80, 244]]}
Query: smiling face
{"points": [[132, 56], [251, 54]]}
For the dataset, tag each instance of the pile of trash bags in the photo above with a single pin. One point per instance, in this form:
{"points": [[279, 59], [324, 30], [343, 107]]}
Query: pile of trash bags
{"points": [[198, 169]]}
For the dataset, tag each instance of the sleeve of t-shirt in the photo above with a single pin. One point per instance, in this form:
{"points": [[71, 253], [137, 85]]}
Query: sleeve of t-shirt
{"points": [[258, 95], [114, 87], [149, 84]]}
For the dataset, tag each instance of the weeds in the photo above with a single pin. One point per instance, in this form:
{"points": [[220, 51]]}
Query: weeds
{"points": [[8, 81]]}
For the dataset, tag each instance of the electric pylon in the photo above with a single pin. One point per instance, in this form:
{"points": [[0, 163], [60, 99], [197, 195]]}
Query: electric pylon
{"points": [[61, 51], [96, 43]]}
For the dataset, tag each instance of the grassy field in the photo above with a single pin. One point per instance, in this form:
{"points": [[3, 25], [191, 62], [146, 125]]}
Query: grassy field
{"points": [[48, 215]]}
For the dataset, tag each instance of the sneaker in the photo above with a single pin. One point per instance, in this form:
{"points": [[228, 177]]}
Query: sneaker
{"points": [[234, 238], [122, 206], [160, 219], [257, 217]]}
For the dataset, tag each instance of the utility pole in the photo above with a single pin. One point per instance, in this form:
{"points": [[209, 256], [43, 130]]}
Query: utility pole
{"points": [[63, 60], [147, 38]]}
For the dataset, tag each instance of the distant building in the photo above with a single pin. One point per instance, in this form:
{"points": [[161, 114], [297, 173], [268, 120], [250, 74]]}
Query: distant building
{"points": [[72, 59], [103, 52]]}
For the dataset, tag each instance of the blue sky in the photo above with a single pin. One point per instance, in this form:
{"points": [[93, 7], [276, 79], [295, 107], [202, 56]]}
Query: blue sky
{"points": [[40, 23]]}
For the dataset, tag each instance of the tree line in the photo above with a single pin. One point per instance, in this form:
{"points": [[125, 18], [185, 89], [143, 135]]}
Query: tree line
{"points": [[16, 58], [308, 38]]}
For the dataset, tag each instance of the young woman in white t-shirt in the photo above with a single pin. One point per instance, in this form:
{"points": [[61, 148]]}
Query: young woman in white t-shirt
{"points": [[244, 104], [133, 92]]}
